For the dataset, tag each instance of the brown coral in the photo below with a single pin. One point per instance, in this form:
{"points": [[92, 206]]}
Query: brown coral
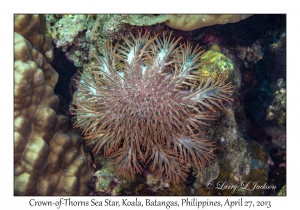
{"points": [[187, 22], [49, 157], [151, 113]]}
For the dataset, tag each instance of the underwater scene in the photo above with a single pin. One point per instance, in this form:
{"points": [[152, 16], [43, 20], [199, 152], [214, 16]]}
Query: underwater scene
{"points": [[150, 105]]}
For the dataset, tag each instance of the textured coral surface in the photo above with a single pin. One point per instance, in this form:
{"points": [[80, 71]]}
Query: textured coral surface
{"points": [[49, 157], [187, 22]]}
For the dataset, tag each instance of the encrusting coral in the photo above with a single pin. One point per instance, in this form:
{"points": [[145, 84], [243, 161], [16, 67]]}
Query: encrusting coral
{"points": [[49, 157], [79, 34], [214, 63], [277, 110], [187, 22], [146, 105]]}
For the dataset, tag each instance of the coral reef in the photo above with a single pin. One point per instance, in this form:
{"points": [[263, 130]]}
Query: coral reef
{"points": [[275, 54], [277, 135], [277, 110], [69, 32], [238, 162], [233, 163], [144, 20], [183, 22], [251, 53], [77, 35], [32, 27], [234, 152], [66, 29], [106, 181], [49, 157], [277, 174], [213, 63], [239, 177], [150, 114], [188, 22]]}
